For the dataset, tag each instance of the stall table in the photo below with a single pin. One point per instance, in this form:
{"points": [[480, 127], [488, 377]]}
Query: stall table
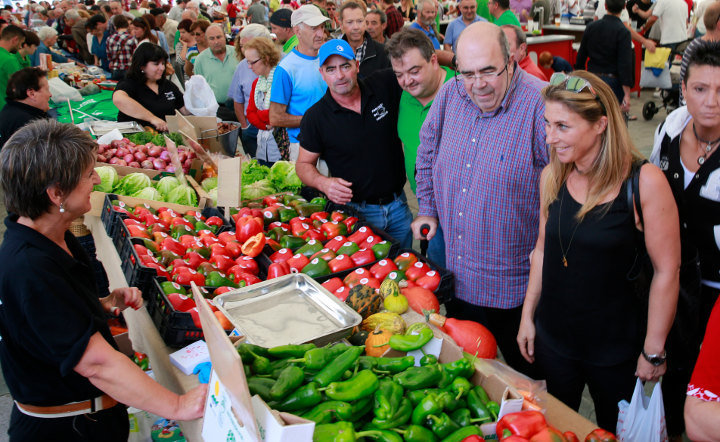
{"points": [[560, 45], [576, 31]]}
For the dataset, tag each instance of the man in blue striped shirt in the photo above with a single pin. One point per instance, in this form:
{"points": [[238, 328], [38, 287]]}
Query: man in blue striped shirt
{"points": [[482, 149]]}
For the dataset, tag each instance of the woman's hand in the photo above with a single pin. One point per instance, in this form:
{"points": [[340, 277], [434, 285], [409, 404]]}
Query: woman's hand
{"points": [[526, 339], [122, 298], [159, 124], [169, 69], [649, 372]]}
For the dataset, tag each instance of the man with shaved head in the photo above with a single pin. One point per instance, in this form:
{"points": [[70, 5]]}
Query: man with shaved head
{"points": [[482, 149], [217, 64]]}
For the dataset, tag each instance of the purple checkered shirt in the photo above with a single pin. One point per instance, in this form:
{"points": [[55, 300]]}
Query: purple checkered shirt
{"points": [[120, 47], [479, 174]]}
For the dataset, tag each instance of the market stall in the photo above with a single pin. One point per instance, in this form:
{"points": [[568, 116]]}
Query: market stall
{"points": [[559, 45]]}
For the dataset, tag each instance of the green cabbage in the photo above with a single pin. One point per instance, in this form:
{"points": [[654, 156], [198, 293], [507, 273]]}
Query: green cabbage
{"points": [[133, 183], [108, 179], [167, 184], [182, 194], [253, 171], [209, 183], [283, 177], [212, 193], [258, 189], [149, 193]]}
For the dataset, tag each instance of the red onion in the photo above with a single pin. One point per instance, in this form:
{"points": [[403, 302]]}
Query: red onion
{"points": [[101, 159], [187, 163], [147, 164], [102, 148], [128, 158], [115, 144], [164, 155], [121, 163], [110, 152], [113, 160], [155, 151], [140, 156], [121, 152], [170, 168], [159, 164], [134, 164], [143, 148]]}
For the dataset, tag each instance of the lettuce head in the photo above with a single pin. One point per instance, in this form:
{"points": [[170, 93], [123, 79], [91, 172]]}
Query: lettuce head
{"points": [[182, 194], [133, 183], [167, 184], [108, 179]]}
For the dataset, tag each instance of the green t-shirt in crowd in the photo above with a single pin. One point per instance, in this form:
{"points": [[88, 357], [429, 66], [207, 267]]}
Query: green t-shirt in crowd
{"points": [[508, 18], [23, 60], [290, 44], [410, 119], [483, 11], [218, 73], [9, 64]]}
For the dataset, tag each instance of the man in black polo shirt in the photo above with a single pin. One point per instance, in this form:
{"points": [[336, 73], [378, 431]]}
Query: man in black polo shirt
{"points": [[354, 129], [28, 99]]}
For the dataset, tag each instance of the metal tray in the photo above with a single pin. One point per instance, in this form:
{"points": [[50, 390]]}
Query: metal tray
{"points": [[100, 128], [292, 309]]}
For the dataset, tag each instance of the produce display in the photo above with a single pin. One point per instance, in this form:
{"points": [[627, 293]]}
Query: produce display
{"points": [[156, 138], [168, 189], [149, 155], [259, 181], [225, 127]]}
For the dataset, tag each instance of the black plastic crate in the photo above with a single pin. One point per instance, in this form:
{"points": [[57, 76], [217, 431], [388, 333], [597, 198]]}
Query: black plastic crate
{"points": [[136, 273], [446, 290], [331, 206]]}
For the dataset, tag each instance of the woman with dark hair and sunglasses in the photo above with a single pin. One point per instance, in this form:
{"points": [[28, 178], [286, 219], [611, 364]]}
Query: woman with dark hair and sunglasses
{"points": [[581, 320], [146, 96]]}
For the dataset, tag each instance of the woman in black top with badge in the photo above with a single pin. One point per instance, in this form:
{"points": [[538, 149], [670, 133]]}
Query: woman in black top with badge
{"points": [[581, 320], [146, 96], [59, 360], [686, 149]]}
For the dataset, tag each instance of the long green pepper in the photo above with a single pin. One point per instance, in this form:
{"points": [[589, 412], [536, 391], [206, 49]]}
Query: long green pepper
{"points": [[415, 378], [401, 416], [416, 433], [334, 370], [462, 433], [304, 397], [429, 405], [387, 399], [290, 379], [442, 425], [326, 412], [363, 384], [289, 351]]}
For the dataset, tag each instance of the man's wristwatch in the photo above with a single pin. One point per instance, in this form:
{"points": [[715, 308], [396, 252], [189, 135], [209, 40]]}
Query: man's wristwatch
{"points": [[655, 359]]}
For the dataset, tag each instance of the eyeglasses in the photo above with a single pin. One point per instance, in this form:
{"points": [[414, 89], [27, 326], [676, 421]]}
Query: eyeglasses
{"points": [[198, 34], [572, 83], [470, 77], [252, 63]]}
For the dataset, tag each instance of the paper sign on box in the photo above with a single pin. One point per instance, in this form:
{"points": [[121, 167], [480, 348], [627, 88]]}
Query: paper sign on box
{"points": [[186, 359]]}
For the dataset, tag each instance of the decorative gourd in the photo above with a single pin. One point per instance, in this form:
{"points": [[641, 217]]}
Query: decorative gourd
{"points": [[359, 337], [377, 342], [364, 300], [421, 300], [472, 336], [386, 321], [396, 303], [389, 288]]}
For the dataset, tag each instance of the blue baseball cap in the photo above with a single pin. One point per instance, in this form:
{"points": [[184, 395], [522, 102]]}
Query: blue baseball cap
{"points": [[335, 47]]}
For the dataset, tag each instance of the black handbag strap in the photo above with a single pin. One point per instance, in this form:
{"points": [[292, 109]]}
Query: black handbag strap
{"points": [[633, 190]]}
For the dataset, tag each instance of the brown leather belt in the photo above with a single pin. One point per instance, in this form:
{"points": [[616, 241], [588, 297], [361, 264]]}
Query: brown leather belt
{"points": [[72, 409]]}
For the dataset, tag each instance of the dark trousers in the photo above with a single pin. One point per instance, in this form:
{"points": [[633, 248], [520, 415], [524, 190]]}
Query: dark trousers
{"points": [[503, 324], [226, 113], [118, 74], [249, 140], [566, 379], [616, 87], [111, 425]]}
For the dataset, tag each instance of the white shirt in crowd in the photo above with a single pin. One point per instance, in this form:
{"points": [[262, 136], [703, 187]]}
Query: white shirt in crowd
{"points": [[672, 17]]}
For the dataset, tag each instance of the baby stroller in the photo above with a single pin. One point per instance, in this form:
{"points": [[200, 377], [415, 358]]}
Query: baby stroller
{"points": [[670, 97]]}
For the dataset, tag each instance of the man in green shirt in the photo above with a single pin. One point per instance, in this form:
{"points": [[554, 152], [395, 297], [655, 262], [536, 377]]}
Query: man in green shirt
{"points": [[11, 38], [217, 64], [280, 25], [28, 48], [420, 76], [500, 9], [483, 10]]}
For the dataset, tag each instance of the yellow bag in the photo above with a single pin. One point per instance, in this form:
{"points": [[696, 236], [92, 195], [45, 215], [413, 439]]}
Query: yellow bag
{"points": [[657, 59]]}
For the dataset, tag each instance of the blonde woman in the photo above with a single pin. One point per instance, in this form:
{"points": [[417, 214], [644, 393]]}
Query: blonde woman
{"points": [[581, 321]]}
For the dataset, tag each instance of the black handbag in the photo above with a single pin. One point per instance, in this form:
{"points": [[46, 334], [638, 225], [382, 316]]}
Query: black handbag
{"points": [[641, 273]]}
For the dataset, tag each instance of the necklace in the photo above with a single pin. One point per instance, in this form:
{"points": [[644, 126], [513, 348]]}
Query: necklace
{"points": [[563, 250], [708, 146]]}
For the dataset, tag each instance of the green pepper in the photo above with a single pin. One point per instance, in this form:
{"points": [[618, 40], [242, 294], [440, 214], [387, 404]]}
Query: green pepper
{"points": [[291, 378], [462, 433], [442, 425], [448, 401], [363, 384], [217, 279], [494, 409], [249, 351], [289, 351], [462, 367], [348, 248], [427, 406], [304, 397], [428, 359], [316, 268], [261, 387], [320, 201], [317, 358], [334, 370], [461, 387], [415, 378], [286, 214], [382, 250], [401, 416], [310, 248], [477, 408], [288, 197], [387, 399], [367, 362], [326, 412], [343, 432], [463, 417], [416, 433], [291, 242], [360, 408], [407, 343], [394, 365], [446, 378], [482, 394], [307, 209], [247, 370], [261, 365], [384, 436], [277, 233], [417, 395]]}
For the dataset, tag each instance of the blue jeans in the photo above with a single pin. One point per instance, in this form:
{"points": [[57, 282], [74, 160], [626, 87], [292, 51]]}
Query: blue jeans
{"points": [[393, 218], [436, 248], [249, 140]]}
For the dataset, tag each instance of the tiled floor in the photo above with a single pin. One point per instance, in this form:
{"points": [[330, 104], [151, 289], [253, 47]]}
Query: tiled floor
{"points": [[640, 131]]}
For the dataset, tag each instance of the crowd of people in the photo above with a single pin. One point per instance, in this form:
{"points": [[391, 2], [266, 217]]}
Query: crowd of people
{"points": [[529, 187]]}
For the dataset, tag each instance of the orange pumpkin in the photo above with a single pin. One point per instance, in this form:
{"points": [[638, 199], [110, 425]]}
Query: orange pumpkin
{"points": [[377, 342]]}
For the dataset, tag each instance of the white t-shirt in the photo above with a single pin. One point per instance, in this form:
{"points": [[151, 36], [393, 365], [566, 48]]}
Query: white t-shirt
{"points": [[673, 16], [699, 12], [601, 11]]}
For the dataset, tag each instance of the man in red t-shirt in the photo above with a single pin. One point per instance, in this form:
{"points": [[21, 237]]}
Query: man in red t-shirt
{"points": [[518, 47]]}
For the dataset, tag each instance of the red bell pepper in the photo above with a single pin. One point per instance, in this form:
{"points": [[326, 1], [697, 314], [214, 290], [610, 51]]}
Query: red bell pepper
{"points": [[430, 281], [279, 224], [222, 262], [363, 257], [274, 245], [158, 237], [215, 221], [278, 269], [515, 439], [523, 423], [299, 229], [405, 260], [324, 254], [320, 216], [223, 289], [332, 284], [146, 259], [182, 221], [340, 263], [270, 200], [254, 245], [141, 250], [370, 241], [133, 222], [332, 229], [297, 221], [350, 222], [570, 436], [246, 227], [281, 255], [381, 269], [158, 268], [209, 240], [234, 249], [138, 231], [313, 234], [226, 237], [218, 249], [190, 242], [174, 246], [548, 434], [298, 261], [417, 270], [337, 215], [600, 435], [248, 264], [241, 275], [360, 235], [342, 293], [335, 243], [473, 438], [370, 282], [185, 276]]}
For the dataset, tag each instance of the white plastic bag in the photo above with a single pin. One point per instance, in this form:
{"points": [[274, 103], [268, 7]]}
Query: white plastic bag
{"points": [[643, 419], [649, 80], [199, 97], [61, 91]]}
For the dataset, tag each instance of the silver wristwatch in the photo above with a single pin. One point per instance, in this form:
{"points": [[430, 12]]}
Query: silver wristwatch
{"points": [[655, 359]]}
